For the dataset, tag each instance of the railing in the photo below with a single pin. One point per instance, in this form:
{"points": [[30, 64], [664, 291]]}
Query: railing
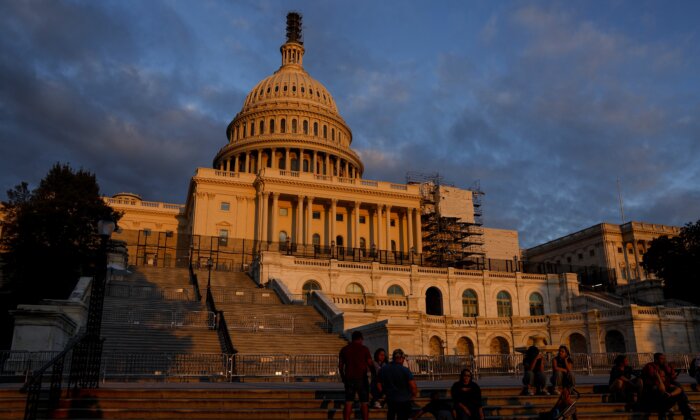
{"points": [[160, 318], [256, 296], [147, 292], [228, 366], [221, 326], [23, 363], [195, 283], [259, 323]]}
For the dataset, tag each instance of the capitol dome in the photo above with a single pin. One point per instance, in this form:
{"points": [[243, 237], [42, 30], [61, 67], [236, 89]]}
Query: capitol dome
{"points": [[290, 121]]}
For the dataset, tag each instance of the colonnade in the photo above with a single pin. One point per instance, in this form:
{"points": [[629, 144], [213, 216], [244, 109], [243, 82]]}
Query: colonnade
{"points": [[288, 158], [379, 230]]}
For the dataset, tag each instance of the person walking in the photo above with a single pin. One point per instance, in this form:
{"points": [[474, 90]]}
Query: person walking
{"points": [[354, 361], [466, 396], [397, 383]]}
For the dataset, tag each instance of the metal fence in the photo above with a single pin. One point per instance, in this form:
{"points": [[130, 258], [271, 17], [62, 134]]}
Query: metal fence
{"points": [[160, 318], [18, 365], [265, 322], [255, 296], [148, 292]]}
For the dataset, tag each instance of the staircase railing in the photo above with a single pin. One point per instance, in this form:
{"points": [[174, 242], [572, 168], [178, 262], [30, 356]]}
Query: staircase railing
{"points": [[59, 368], [221, 326], [330, 312], [195, 283]]}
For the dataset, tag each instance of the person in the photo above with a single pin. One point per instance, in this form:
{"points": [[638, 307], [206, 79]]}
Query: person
{"points": [[397, 383], [622, 386], [439, 408], [694, 371], [660, 390], [562, 370], [533, 377], [379, 362], [466, 396], [354, 361]]}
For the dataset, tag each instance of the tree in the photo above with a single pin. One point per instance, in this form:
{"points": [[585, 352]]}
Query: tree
{"points": [[50, 233], [676, 261]]}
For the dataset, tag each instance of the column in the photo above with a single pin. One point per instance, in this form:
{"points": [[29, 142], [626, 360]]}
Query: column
{"points": [[235, 165], [328, 165], [378, 242], [356, 227], [299, 236], [273, 156], [247, 162], [259, 216], [637, 269], [314, 170], [409, 234], [419, 235], [347, 169], [274, 236], [309, 217], [388, 228], [331, 223], [287, 160], [265, 197]]}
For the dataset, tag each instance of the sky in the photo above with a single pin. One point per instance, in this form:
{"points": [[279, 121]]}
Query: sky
{"points": [[544, 104]]}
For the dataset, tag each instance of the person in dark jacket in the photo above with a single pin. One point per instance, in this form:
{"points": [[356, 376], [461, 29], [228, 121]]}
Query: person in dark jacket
{"points": [[622, 385], [466, 396], [533, 377]]}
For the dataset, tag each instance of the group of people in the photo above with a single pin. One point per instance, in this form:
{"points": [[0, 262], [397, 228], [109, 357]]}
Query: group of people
{"points": [[394, 382], [656, 388]]}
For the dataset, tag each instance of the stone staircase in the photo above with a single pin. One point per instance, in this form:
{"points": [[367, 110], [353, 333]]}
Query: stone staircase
{"points": [[259, 323], [226, 401], [154, 310]]}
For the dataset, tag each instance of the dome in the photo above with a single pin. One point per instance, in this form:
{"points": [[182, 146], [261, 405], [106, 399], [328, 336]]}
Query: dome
{"points": [[290, 113]]}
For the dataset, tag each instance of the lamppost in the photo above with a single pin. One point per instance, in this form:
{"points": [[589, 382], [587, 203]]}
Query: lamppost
{"points": [[210, 264], [87, 355]]}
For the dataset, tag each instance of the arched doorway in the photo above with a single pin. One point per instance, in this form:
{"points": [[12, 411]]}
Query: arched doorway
{"points": [[436, 346], [577, 343], [465, 346], [433, 301], [615, 342], [309, 287], [499, 345]]}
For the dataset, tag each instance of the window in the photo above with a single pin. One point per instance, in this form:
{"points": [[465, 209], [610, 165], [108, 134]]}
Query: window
{"points": [[354, 289], [591, 252], [223, 236], [629, 250], [306, 165], [272, 126], [284, 211], [333, 134], [580, 256], [362, 220], [316, 239], [339, 240], [316, 215], [283, 125], [325, 132], [294, 126], [619, 250], [504, 304], [395, 290], [536, 304], [470, 303], [225, 206], [393, 222], [168, 233], [305, 125], [252, 128], [262, 127], [338, 217], [315, 129]]}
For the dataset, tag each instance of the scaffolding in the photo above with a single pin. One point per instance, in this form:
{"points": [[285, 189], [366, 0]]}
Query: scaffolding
{"points": [[451, 237]]}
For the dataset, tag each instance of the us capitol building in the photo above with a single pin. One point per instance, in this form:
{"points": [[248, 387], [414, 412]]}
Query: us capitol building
{"points": [[410, 264]]}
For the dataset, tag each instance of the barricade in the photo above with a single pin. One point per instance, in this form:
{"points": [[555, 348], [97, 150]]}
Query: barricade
{"points": [[148, 292], [266, 322], [161, 318], [163, 366], [251, 296], [16, 365]]}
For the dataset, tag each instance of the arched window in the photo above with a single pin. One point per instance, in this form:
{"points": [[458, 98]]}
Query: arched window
{"points": [[354, 289], [316, 239], [504, 304], [252, 128], [272, 126], [393, 245], [433, 301], [470, 303], [499, 345], [536, 304], [577, 343], [294, 126], [395, 290], [325, 132], [283, 236], [305, 126], [309, 287], [465, 346], [615, 342], [436, 346], [339, 240], [363, 243], [333, 134], [306, 165], [283, 125], [315, 129], [295, 164], [245, 130], [262, 127]]}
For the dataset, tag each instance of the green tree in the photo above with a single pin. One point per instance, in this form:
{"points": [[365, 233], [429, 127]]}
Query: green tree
{"points": [[50, 233], [676, 261]]}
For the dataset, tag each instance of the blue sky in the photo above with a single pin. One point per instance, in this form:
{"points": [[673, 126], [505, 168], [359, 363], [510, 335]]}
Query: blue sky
{"points": [[547, 104]]}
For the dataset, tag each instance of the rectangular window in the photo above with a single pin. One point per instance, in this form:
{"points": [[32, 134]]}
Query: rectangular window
{"points": [[284, 211], [629, 250], [316, 215], [223, 236], [338, 217], [393, 222], [225, 206], [619, 250], [591, 252], [580, 256], [568, 259], [362, 219]]}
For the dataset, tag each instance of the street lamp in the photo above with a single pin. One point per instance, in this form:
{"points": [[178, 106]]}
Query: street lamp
{"points": [[210, 264]]}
